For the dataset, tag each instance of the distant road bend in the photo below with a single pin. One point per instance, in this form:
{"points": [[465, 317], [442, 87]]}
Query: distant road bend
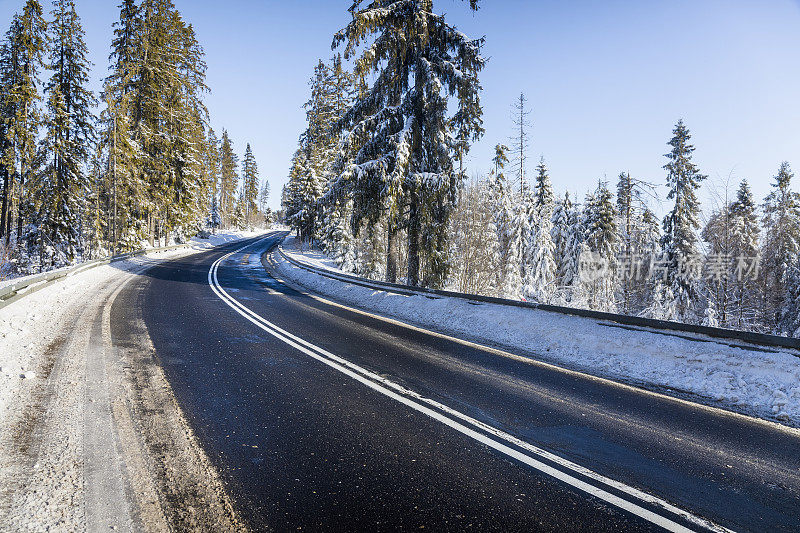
{"points": [[323, 417]]}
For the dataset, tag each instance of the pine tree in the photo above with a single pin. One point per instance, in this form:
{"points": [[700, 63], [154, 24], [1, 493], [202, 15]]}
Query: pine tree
{"points": [[717, 233], [249, 185], [600, 241], [263, 197], [336, 208], [509, 236], [500, 158], [127, 191], [237, 217], [790, 311], [525, 223], [96, 222], [638, 239], [212, 165], [407, 139], [561, 222], [62, 187], [318, 144], [167, 117], [304, 194], [679, 242], [710, 315], [781, 243], [21, 59], [229, 179], [745, 233], [543, 191], [541, 279]]}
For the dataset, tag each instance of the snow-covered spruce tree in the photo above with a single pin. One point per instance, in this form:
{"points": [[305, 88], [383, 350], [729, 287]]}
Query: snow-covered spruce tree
{"points": [[340, 90], [318, 140], [525, 221], [263, 197], [601, 240], [63, 185], [509, 235], [781, 243], [407, 141], [249, 186], [229, 179], [790, 311], [339, 240], [540, 284], [21, 59], [710, 315], [237, 217], [638, 239], [679, 242], [718, 234], [305, 190], [560, 236], [732, 234], [746, 249], [331, 96]]}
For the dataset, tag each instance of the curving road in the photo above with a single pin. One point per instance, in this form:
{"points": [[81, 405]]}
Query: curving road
{"points": [[324, 418]]}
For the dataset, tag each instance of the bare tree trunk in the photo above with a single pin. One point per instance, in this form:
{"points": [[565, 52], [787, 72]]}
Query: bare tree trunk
{"points": [[391, 253], [4, 214], [413, 238], [151, 229], [19, 207]]}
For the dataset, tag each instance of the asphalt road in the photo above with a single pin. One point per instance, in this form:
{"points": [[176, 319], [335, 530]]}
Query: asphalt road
{"points": [[323, 418]]}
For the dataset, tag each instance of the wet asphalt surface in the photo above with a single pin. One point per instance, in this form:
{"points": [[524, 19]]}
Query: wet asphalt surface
{"points": [[303, 446]]}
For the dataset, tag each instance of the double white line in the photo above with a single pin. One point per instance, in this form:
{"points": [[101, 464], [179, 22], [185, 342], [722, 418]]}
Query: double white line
{"points": [[623, 497]]}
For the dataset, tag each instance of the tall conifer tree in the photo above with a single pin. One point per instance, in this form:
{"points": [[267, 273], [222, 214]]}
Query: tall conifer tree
{"points": [[250, 185], [781, 242], [229, 178], [21, 59], [405, 163], [679, 242]]}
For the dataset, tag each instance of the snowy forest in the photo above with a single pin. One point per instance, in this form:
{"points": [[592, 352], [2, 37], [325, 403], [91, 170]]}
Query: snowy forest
{"points": [[378, 182], [86, 175]]}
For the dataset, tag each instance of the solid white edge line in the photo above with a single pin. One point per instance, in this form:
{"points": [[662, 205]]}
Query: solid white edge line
{"points": [[384, 386]]}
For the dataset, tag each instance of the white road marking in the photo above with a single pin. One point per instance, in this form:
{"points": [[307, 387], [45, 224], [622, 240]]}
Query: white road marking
{"points": [[403, 395]]}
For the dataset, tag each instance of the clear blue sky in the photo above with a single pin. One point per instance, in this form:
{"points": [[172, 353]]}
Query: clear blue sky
{"points": [[606, 80]]}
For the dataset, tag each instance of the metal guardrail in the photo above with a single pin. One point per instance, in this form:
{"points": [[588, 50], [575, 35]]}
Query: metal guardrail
{"points": [[30, 284], [759, 339]]}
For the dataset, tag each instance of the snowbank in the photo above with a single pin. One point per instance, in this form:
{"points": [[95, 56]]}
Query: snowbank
{"points": [[760, 383], [25, 325]]}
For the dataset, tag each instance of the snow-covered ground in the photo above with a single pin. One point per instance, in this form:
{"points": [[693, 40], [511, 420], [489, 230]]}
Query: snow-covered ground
{"points": [[764, 384], [65, 460], [23, 325]]}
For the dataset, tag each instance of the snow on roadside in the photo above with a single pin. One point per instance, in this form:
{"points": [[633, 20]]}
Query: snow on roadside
{"points": [[197, 243], [29, 325], [750, 381], [80, 418]]}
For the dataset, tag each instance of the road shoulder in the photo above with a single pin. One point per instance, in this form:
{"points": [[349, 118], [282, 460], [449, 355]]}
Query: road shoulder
{"points": [[92, 437]]}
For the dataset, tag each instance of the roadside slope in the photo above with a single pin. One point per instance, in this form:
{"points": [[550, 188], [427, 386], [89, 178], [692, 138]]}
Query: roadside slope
{"points": [[741, 378]]}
